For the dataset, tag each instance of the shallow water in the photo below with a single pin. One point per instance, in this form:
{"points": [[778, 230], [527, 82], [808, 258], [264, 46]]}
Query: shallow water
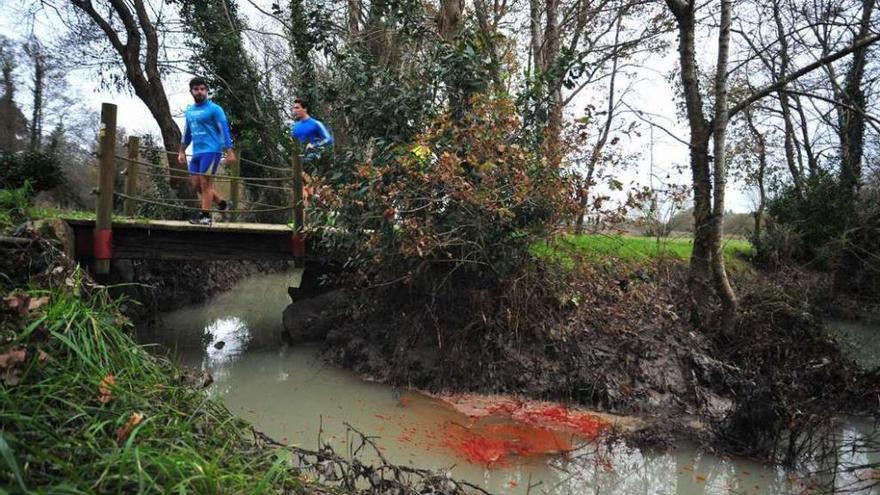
{"points": [[291, 395], [859, 340]]}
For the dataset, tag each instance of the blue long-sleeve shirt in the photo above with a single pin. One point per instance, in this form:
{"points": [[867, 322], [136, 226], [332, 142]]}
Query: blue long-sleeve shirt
{"points": [[206, 128], [311, 131]]}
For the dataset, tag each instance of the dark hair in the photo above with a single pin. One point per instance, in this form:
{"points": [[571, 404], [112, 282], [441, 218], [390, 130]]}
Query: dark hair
{"points": [[303, 103], [197, 81]]}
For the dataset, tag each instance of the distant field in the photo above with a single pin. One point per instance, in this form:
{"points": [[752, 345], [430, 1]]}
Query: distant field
{"points": [[630, 248]]}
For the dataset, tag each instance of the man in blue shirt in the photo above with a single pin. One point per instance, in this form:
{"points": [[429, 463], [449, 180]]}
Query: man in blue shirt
{"points": [[312, 135], [208, 130], [309, 131]]}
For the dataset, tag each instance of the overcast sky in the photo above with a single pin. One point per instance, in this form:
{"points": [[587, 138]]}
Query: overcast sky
{"points": [[651, 93]]}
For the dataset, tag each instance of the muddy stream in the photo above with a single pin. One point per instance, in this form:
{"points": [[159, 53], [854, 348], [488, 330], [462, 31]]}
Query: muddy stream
{"points": [[501, 444]]}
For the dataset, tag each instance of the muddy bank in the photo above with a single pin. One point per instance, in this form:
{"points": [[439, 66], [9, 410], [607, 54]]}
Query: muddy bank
{"points": [[166, 285], [621, 343]]}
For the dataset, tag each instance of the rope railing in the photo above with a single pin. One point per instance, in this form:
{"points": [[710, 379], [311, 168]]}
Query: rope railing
{"points": [[283, 179], [181, 175], [245, 160], [159, 171], [263, 165], [195, 209], [215, 176]]}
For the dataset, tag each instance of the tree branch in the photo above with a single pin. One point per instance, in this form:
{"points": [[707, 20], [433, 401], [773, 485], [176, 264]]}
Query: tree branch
{"points": [[766, 90]]}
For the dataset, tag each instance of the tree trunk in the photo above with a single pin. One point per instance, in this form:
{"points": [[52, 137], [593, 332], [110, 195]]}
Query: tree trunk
{"points": [[719, 134], [793, 168], [537, 35], [552, 145], [8, 129], [812, 161], [852, 134], [39, 60], [449, 17], [700, 274], [851, 113], [761, 149], [354, 18]]}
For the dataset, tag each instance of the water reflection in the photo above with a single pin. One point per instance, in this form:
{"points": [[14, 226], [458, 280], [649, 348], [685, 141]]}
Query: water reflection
{"points": [[296, 398]]}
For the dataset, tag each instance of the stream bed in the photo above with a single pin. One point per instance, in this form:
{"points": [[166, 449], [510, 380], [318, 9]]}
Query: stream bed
{"points": [[512, 446]]}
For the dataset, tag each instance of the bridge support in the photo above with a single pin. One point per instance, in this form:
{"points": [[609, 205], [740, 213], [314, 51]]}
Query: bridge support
{"points": [[131, 175], [103, 237], [297, 240]]}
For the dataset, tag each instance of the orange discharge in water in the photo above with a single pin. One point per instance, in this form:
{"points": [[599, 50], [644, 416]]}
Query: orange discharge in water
{"points": [[488, 444], [489, 430]]}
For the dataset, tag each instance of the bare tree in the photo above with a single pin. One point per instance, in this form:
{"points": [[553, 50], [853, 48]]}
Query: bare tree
{"points": [[38, 59], [132, 33], [13, 125], [707, 271]]}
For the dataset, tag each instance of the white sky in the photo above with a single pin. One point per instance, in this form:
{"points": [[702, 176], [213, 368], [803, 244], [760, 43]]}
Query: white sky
{"points": [[651, 94]]}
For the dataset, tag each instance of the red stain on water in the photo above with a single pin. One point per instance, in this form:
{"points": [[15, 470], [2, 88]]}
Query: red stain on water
{"points": [[585, 424], [491, 430], [494, 443]]}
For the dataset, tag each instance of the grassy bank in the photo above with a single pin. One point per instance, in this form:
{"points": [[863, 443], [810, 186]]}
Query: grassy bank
{"points": [[626, 248], [84, 409]]}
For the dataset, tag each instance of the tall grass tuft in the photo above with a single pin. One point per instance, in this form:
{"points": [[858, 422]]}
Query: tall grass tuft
{"points": [[92, 412]]}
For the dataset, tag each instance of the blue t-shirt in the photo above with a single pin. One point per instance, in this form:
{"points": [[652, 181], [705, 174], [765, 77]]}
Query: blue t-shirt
{"points": [[206, 128], [311, 131]]}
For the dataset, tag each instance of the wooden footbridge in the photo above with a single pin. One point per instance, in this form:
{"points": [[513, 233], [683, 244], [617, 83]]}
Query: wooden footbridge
{"points": [[110, 237]]}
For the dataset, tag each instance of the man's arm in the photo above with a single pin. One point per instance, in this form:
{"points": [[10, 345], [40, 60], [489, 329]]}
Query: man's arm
{"points": [[224, 129], [186, 139], [324, 134]]}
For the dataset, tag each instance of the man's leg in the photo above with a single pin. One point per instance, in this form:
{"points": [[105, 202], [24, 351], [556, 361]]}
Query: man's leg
{"points": [[212, 193], [199, 166], [207, 193], [195, 182]]}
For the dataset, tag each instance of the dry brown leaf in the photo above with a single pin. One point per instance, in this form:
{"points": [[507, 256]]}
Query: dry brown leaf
{"points": [[18, 302], [105, 388], [11, 377], [37, 303], [10, 372], [123, 432], [12, 357]]}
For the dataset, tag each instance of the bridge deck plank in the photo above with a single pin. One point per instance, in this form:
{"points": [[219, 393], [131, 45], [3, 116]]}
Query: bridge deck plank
{"points": [[181, 225]]}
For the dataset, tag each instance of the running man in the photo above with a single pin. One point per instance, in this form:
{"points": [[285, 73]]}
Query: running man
{"points": [[312, 134], [309, 131], [208, 131]]}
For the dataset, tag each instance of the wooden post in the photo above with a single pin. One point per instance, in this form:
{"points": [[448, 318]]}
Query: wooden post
{"points": [[235, 187], [131, 175], [298, 245], [103, 240], [298, 214]]}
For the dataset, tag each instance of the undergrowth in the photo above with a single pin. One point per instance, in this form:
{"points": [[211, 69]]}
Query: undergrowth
{"points": [[84, 409]]}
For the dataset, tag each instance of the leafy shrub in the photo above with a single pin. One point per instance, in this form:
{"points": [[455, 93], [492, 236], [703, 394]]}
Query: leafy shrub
{"points": [[810, 222], [41, 170], [457, 206]]}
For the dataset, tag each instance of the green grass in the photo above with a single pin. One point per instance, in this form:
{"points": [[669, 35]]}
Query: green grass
{"points": [[51, 213], [13, 205], [59, 436], [600, 247]]}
